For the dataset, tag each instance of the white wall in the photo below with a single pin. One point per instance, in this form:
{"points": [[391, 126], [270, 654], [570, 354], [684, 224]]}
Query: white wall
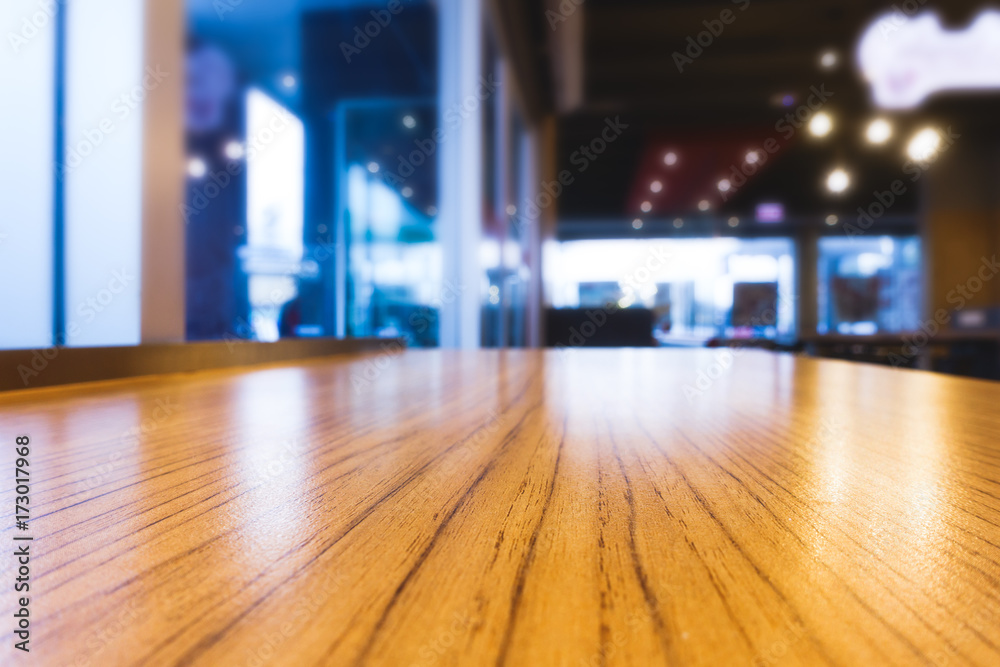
{"points": [[106, 87], [27, 70]]}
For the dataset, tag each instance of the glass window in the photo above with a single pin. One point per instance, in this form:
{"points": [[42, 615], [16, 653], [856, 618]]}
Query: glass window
{"points": [[696, 288], [105, 90], [312, 179], [27, 65], [71, 182], [869, 285], [506, 243], [394, 278], [274, 254]]}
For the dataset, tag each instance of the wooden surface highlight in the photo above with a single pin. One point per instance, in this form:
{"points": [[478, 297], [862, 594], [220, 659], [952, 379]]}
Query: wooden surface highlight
{"points": [[588, 507]]}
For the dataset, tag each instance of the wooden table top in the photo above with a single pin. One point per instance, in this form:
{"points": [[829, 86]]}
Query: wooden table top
{"points": [[604, 507]]}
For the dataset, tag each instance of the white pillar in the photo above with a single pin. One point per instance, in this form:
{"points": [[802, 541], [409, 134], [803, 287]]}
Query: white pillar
{"points": [[27, 114], [102, 171], [460, 169], [163, 230], [124, 172], [530, 158]]}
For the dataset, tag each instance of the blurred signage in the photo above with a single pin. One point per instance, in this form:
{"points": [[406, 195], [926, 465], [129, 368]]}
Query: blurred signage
{"points": [[755, 305], [275, 175], [770, 213], [265, 261], [907, 58]]}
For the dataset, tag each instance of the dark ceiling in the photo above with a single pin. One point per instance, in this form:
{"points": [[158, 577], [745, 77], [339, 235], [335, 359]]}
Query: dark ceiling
{"points": [[769, 51], [771, 47]]}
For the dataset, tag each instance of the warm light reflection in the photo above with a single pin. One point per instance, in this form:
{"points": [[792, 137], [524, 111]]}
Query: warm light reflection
{"points": [[272, 412], [879, 131], [838, 181], [272, 450], [821, 124], [878, 478], [924, 145]]}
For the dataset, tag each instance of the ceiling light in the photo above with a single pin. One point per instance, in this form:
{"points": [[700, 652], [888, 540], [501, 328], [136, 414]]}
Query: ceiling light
{"points": [[771, 212], [879, 131], [924, 145], [197, 168], [233, 150], [821, 124], [837, 181]]}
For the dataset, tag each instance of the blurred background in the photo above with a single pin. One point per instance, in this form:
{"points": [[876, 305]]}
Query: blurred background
{"points": [[812, 177]]}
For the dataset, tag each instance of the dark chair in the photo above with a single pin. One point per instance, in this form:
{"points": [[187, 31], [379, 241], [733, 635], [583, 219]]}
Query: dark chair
{"points": [[596, 327]]}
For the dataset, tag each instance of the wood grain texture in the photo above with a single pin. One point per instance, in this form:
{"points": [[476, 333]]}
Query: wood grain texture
{"points": [[591, 507]]}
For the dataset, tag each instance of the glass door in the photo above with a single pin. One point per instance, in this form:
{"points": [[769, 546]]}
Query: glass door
{"points": [[392, 282]]}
